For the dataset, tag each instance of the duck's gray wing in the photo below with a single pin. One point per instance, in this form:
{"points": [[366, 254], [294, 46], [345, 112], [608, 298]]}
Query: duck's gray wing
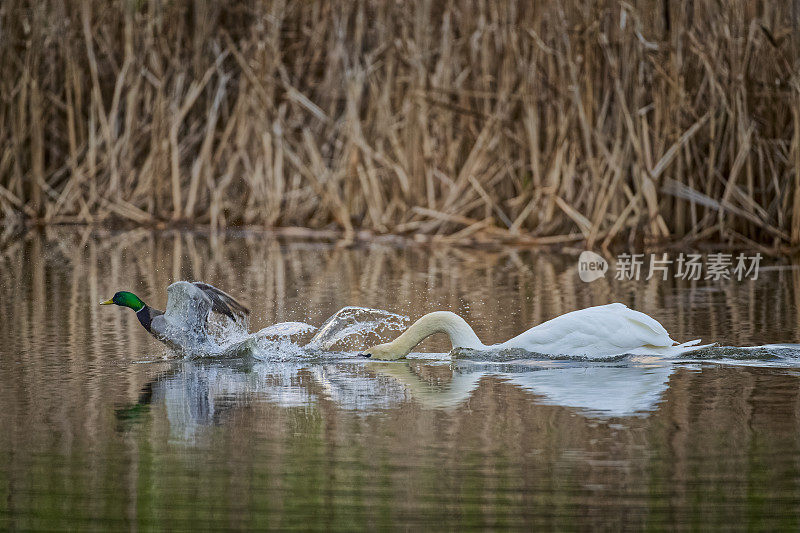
{"points": [[187, 306], [222, 302]]}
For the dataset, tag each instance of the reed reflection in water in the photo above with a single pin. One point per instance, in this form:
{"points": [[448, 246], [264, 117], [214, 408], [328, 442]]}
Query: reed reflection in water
{"points": [[100, 430]]}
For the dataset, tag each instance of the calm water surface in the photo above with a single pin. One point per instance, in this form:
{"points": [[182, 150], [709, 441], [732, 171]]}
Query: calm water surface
{"points": [[100, 428]]}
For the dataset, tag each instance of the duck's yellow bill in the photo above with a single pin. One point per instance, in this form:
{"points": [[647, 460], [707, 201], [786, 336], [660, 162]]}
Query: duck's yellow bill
{"points": [[107, 302]]}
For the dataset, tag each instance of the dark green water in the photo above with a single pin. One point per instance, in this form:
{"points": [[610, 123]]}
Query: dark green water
{"points": [[101, 429]]}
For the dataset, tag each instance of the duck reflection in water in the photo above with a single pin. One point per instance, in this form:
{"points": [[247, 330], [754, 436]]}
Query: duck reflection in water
{"points": [[195, 395]]}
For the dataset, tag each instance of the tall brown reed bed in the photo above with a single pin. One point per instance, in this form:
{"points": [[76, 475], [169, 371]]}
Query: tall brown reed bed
{"points": [[545, 121]]}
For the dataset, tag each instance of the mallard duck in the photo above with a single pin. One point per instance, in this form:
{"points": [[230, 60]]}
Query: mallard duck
{"points": [[185, 322]]}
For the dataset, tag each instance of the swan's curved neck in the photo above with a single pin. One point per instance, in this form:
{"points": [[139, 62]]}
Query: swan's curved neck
{"points": [[460, 333]]}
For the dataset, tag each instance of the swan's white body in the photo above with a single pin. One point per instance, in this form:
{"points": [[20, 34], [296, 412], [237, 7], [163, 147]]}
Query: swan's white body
{"points": [[595, 332]]}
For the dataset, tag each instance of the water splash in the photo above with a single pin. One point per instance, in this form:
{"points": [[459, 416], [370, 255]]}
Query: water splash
{"points": [[353, 327], [286, 329], [348, 329], [513, 354], [772, 355], [787, 355], [223, 330], [765, 351]]}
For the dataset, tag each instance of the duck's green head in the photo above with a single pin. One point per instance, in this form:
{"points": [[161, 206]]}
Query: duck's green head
{"points": [[126, 299]]}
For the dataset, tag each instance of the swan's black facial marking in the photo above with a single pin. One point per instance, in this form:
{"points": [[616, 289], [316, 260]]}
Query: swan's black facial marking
{"points": [[367, 355]]}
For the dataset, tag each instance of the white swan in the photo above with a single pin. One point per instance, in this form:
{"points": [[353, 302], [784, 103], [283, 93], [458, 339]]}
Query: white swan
{"points": [[595, 332]]}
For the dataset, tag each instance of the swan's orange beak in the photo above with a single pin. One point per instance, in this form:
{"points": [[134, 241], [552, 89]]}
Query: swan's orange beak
{"points": [[107, 302]]}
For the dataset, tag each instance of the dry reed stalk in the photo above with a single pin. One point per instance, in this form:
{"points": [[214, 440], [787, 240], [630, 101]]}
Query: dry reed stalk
{"points": [[537, 121]]}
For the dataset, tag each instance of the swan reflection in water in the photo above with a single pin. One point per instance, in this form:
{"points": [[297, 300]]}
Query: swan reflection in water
{"points": [[198, 394]]}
